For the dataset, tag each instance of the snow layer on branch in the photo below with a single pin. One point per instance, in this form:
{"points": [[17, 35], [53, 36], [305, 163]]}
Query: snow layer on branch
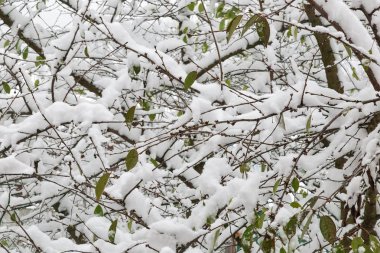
{"points": [[56, 114], [55, 246], [10, 165], [354, 29]]}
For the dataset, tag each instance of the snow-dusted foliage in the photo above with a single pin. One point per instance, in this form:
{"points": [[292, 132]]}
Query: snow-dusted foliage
{"points": [[189, 126]]}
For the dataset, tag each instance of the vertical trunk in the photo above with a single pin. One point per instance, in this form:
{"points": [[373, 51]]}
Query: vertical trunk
{"points": [[327, 53]]}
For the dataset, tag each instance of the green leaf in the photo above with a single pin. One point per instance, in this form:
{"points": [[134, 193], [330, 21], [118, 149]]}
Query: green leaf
{"points": [[98, 211], [263, 30], [276, 185], [267, 244], [14, 217], [36, 83], [328, 228], [40, 60], [6, 87], [204, 47], [201, 7], [185, 39], [112, 231], [152, 117], [219, 10], [247, 239], [145, 105], [222, 24], [6, 43], [244, 168], [289, 33], [190, 79], [354, 74], [282, 121], [4, 243], [191, 6], [130, 115], [311, 201], [291, 227], [259, 219], [216, 236], [263, 166], [349, 50], [295, 32], [356, 243], [282, 250], [232, 26], [18, 47], [295, 204], [210, 220], [375, 244], [154, 162], [295, 184], [25, 53], [129, 225], [303, 39], [308, 124], [136, 69], [86, 52], [101, 185], [249, 23], [307, 224], [131, 159]]}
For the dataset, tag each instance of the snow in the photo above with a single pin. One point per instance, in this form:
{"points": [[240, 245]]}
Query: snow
{"points": [[11, 166], [211, 159]]}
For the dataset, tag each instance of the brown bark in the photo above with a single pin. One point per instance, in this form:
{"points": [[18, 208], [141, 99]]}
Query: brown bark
{"points": [[327, 53]]}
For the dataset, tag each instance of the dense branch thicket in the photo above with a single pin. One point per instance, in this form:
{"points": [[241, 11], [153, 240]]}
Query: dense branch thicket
{"points": [[189, 126]]}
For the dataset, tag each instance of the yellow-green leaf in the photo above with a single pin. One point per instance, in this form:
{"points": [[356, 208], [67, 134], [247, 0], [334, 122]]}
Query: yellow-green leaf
{"points": [[130, 223], [354, 74], [201, 7], [25, 53], [295, 184], [295, 204], [263, 30], [349, 50], [328, 228], [222, 25], [136, 69], [131, 159], [6, 43], [6, 87], [232, 26], [291, 227], [190, 79], [101, 185], [130, 115], [254, 19], [98, 211], [276, 185], [307, 224], [308, 124], [86, 52], [112, 231], [356, 243], [191, 6]]}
